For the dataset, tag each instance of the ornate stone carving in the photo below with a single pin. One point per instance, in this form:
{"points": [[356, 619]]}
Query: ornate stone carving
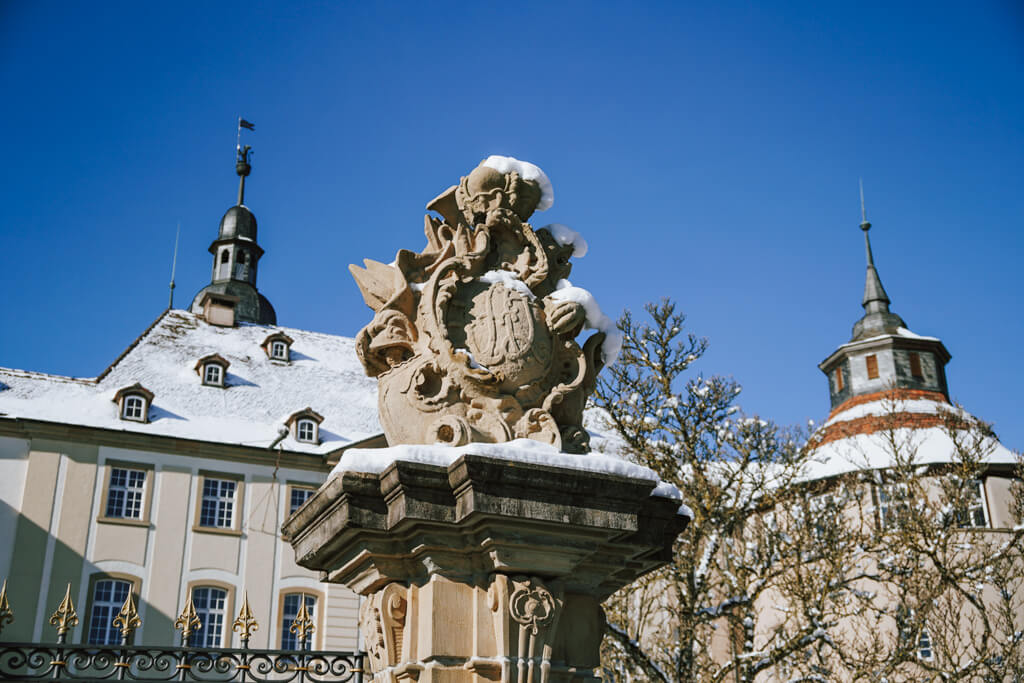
{"points": [[382, 620], [525, 601], [470, 341]]}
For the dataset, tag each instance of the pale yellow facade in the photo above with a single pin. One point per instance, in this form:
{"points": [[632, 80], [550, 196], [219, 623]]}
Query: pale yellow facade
{"points": [[54, 531]]}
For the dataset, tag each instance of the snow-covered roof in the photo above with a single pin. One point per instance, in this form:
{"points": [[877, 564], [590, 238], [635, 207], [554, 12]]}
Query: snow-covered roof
{"points": [[862, 436], [323, 374]]}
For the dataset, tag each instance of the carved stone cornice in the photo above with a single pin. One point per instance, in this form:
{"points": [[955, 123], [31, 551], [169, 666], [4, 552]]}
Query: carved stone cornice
{"points": [[481, 515]]}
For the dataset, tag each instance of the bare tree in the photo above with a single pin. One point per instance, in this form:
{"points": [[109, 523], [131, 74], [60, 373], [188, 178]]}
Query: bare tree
{"points": [[781, 577]]}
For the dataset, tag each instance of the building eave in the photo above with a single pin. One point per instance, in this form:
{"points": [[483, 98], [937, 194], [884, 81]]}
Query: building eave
{"points": [[887, 341], [22, 428]]}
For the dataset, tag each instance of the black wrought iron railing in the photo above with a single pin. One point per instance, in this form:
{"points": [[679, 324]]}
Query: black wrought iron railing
{"points": [[35, 662], [61, 661]]}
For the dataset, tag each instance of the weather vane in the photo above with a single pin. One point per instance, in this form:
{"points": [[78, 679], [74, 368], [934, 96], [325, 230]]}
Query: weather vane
{"points": [[242, 167]]}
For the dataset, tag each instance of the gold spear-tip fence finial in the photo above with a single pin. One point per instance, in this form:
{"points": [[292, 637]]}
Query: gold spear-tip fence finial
{"points": [[65, 617], [188, 621], [303, 626], [6, 613], [128, 618], [246, 623]]}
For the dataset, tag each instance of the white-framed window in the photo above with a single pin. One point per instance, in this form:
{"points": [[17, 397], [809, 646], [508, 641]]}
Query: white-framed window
{"points": [[298, 496], [289, 611], [107, 597], [134, 408], [211, 606], [278, 350], [305, 430], [213, 374], [924, 645], [893, 504], [126, 493], [218, 506], [975, 514]]}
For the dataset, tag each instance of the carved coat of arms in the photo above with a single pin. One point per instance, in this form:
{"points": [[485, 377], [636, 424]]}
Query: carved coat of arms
{"points": [[474, 337]]}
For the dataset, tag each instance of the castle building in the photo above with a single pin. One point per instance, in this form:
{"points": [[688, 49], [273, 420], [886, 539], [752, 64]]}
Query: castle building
{"points": [[169, 474], [889, 378]]}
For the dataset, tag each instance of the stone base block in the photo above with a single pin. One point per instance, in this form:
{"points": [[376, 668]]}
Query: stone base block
{"points": [[487, 569]]}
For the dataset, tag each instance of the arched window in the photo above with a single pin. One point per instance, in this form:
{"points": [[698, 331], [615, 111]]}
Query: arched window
{"points": [[213, 374], [211, 606], [305, 430], [224, 256], [107, 597], [289, 612], [134, 408]]}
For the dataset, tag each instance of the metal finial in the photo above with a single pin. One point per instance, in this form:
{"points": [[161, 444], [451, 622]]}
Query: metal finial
{"points": [[6, 613], [65, 617], [242, 167], [128, 618], [174, 265], [303, 626], [246, 623], [188, 621], [863, 214]]}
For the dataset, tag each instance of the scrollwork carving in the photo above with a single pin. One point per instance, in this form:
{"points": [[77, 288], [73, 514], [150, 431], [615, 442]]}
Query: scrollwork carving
{"points": [[468, 343]]}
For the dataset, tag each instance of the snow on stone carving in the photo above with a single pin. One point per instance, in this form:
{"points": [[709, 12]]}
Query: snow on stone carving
{"points": [[474, 337]]}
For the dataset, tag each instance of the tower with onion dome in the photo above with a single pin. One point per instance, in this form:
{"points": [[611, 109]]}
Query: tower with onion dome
{"points": [[236, 255]]}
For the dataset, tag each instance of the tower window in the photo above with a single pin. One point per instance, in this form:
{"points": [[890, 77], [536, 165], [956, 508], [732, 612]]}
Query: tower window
{"points": [[224, 256], [839, 378], [915, 365], [872, 365]]}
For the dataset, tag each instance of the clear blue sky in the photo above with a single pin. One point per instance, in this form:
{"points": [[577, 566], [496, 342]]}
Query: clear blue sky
{"points": [[708, 151]]}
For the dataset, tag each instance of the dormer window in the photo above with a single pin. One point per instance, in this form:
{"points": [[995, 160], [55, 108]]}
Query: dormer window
{"points": [[212, 375], [305, 426], [133, 403], [212, 370], [278, 347], [134, 408], [305, 430]]}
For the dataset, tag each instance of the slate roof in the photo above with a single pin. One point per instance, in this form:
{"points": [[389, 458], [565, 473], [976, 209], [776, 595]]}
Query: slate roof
{"points": [[324, 374]]}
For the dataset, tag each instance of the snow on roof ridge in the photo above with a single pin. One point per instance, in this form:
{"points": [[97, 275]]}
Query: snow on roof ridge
{"points": [[35, 374], [135, 343]]}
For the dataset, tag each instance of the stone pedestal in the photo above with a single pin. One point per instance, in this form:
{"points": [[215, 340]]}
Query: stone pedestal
{"points": [[484, 570]]}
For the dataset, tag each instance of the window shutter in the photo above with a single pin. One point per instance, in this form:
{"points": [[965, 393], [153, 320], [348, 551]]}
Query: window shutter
{"points": [[915, 365], [872, 363]]}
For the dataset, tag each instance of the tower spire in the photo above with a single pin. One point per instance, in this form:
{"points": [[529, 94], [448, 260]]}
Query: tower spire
{"points": [[877, 317], [174, 265], [875, 299]]}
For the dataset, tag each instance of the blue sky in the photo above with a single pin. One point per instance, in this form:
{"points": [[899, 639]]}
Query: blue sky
{"points": [[709, 152]]}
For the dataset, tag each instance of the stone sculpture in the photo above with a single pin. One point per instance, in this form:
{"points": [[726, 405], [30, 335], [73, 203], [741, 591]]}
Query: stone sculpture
{"points": [[474, 337]]}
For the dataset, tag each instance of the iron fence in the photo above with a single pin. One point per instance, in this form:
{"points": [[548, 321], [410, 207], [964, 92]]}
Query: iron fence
{"points": [[62, 661]]}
